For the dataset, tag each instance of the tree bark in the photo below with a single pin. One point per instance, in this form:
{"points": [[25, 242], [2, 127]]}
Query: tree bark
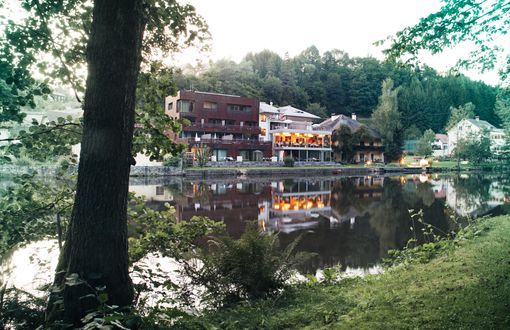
{"points": [[96, 246]]}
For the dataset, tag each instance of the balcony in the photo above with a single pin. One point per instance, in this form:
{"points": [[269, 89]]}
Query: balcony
{"points": [[303, 146], [219, 143], [218, 128]]}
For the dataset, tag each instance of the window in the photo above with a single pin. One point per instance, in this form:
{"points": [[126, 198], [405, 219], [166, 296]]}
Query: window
{"points": [[263, 118], [160, 190], [170, 106], [210, 105], [184, 106], [213, 121], [263, 131], [237, 107]]}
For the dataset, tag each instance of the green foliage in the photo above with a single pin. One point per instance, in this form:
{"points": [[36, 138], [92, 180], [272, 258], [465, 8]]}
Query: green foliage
{"points": [[203, 154], [386, 120], [424, 146], [45, 142], [412, 133], [336, 82], [159, 231], [475, 148], [29, 206], [457, 114], [288, 161], [343, 143], [152, 124], [317, 109], [250, 267], [173, 161], [478, 22]]}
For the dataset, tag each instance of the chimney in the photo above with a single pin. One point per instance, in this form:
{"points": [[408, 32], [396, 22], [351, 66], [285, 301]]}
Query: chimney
{"points": [[271, 103], [353, 116], [333, 115], [477, 117]]}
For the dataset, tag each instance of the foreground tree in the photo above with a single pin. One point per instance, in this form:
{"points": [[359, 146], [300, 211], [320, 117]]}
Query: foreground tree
{"points": [[110, 38]]}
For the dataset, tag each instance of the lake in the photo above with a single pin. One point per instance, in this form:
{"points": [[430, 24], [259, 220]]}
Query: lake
{"points": [[351, 222], [348, 221]]}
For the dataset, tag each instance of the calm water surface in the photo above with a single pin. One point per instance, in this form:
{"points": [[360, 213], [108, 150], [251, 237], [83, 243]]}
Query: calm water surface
{"points": [[348, 221]]}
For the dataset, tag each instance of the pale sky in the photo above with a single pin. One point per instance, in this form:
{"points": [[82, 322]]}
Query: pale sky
{"points": [[240, 26]]}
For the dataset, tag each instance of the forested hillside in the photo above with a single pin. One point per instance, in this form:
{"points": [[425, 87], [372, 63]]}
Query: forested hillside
{"points": [[333, 82]]}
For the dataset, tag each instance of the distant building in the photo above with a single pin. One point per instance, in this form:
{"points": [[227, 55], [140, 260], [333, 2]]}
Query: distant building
{"points": [[227, 124], [292, 133], [369, 148], [440, 145], [467, 128]]}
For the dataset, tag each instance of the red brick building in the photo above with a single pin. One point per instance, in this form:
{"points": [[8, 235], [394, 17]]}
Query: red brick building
{"points": [[227, 124]]}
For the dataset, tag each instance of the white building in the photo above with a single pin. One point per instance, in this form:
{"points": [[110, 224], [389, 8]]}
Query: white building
{"points": [[467, 128], [440, 145], [291, 132]]}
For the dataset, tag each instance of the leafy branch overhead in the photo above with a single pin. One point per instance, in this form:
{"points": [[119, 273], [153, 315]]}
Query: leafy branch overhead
{"points": [[52, 39], [481, 23]]}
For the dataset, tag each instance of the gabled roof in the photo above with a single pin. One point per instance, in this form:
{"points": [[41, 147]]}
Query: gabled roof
{"points": [[335, 122], [267, 108], [481, 124], [294, 112], [442, 137]]}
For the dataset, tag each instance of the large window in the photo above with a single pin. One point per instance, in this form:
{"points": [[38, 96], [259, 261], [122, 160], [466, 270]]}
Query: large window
{"points": [[210, 105], [184, 106], [237, 107]]}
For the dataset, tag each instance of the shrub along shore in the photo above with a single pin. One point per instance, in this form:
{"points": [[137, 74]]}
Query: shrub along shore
{"points": [[460, 283]]}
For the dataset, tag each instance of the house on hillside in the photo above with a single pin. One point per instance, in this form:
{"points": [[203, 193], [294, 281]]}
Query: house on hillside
{"points": [[467, 128], [367, 142]]}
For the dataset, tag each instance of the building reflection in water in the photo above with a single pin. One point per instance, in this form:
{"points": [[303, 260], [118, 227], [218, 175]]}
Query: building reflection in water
{"points": [[347, 221]]}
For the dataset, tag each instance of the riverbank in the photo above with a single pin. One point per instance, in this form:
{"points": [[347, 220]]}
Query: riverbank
{"points": [[247, 170], [466, 286]]}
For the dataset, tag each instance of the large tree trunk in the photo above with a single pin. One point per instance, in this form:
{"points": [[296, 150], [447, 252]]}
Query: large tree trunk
{"points": [[96, 247]]}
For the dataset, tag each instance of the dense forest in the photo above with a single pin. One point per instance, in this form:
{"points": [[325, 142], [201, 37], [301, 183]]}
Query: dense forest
{"points": [[334, 82]]}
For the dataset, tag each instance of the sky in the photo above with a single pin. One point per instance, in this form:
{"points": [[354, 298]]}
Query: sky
{"points": [[286, 26]]}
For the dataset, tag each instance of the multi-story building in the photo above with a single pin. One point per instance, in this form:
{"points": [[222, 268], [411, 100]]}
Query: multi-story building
{"points": [[227, 124], [292, 133], [370, 146], [474, 128]]}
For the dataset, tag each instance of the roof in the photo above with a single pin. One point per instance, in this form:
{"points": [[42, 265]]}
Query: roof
{"points": [[335, 122], [294, 112], [442, 137], [481, 124], [267, 108]]}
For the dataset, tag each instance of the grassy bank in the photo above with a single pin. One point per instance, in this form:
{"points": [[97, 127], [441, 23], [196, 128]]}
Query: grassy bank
{"points": [[466, 286]]}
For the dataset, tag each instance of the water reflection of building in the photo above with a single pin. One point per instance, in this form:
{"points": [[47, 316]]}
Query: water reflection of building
{"points": [[152, 193], [233, 203], [469, 195], [295, 205]]}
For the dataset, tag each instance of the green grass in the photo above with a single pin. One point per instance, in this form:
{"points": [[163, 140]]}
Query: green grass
{"points": [[466, 287]]}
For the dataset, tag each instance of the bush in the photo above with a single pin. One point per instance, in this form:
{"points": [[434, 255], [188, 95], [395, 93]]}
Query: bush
{"points": [[172, 161], [248, 268], [288, 161]]}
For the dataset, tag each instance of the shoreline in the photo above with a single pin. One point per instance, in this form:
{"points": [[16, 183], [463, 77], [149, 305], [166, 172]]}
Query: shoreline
{"points": [[247, 171]]}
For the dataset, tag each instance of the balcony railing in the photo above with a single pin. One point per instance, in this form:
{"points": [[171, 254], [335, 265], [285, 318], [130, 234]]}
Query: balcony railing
{"points": [[222, 142], [287, 145], [219, 128]]}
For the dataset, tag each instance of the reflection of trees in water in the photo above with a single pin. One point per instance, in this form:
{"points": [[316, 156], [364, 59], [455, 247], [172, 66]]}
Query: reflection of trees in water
{"points": [[382, 222], [474, 189]]}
